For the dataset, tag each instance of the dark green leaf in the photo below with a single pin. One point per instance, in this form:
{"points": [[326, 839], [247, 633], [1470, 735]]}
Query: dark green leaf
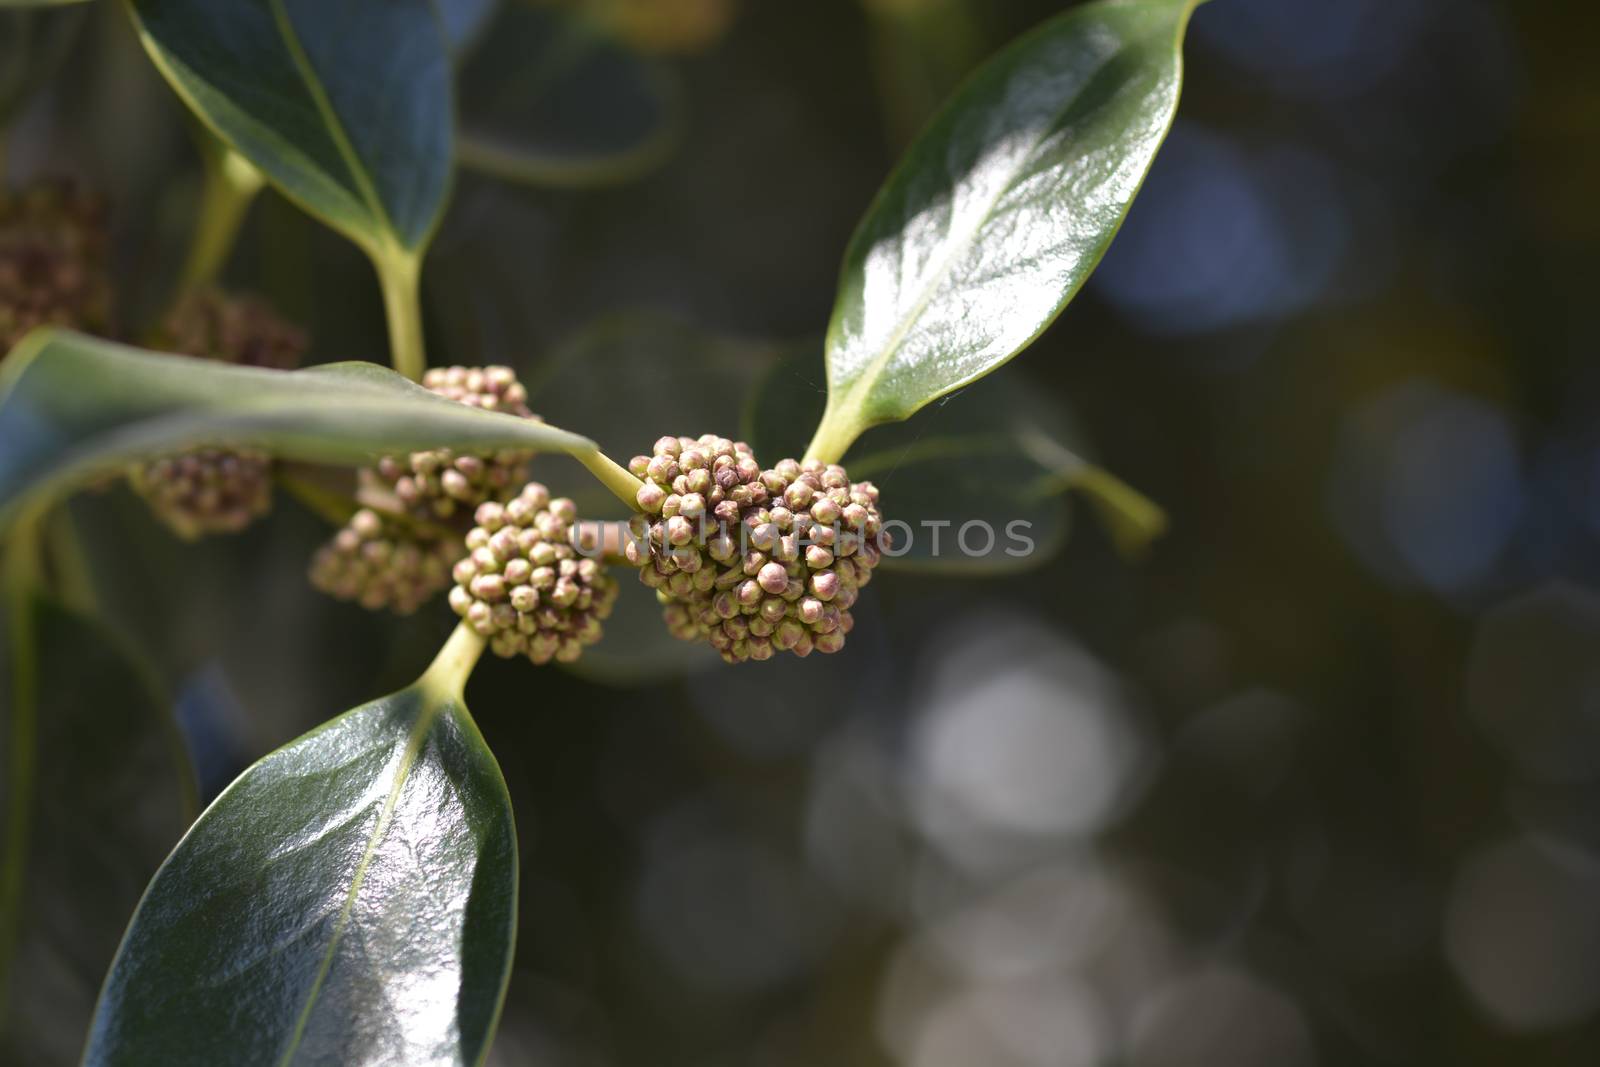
{"points": [[345, 107], [97, 788], [548, 99], [349, 899], [998, 455], [73, 407], [1000, 210]]}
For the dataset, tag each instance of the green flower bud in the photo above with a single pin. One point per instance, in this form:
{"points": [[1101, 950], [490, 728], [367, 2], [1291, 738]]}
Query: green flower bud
{"points": [[650, 498], [830, 642], [489, 587], [825, 511], [773, 578], [824, 585]]}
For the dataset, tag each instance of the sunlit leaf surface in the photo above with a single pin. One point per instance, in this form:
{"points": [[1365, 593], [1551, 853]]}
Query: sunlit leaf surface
{"points": [[349, 899], [1001, 209]]}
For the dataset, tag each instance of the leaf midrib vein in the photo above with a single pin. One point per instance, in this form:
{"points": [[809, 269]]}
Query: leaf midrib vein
{"points": [[875, 369], [336, 130], [408, 759]]}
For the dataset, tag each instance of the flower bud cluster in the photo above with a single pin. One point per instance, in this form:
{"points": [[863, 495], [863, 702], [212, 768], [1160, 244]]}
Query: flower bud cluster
{"points": [[234, 329], [441, 483], [215, 490], [754, 561], [525, 586], [380, 563], [437, 489], [207, 491], [52, 260]]}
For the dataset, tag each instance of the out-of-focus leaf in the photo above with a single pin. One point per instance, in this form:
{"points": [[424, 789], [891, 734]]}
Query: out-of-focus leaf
{"points": [[350, 899], [997, 456], [1000, 210], [97, 788], [73, 407], [464, 20], [345, 107], [688, 380], [32, 44], [921, 51], [549, 99]]}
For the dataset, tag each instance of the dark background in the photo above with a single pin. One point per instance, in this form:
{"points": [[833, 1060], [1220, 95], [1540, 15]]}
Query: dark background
{"points": [[1316, 780]]}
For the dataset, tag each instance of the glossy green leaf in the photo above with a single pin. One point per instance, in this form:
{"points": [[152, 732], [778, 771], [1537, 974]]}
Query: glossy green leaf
{"points": [[975, 485], [349, 899], [548, 99], [1000, 210], [74, 407], [345, 107], [96, 788]]}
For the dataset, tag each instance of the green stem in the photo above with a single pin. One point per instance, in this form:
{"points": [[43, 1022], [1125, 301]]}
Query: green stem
{"points": [[400, 275], [21, 563], [835, 434], [624, 486], [231, 186], [446, 678]]}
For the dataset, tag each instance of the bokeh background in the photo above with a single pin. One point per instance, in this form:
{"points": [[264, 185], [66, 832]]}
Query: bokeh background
{"points": [[1314, 780]]}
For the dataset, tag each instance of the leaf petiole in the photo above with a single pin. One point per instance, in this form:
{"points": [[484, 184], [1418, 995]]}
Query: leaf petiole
{"points": [[446, 678], [231, 185], [624, 486], [400, 275], [835, 433]]}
